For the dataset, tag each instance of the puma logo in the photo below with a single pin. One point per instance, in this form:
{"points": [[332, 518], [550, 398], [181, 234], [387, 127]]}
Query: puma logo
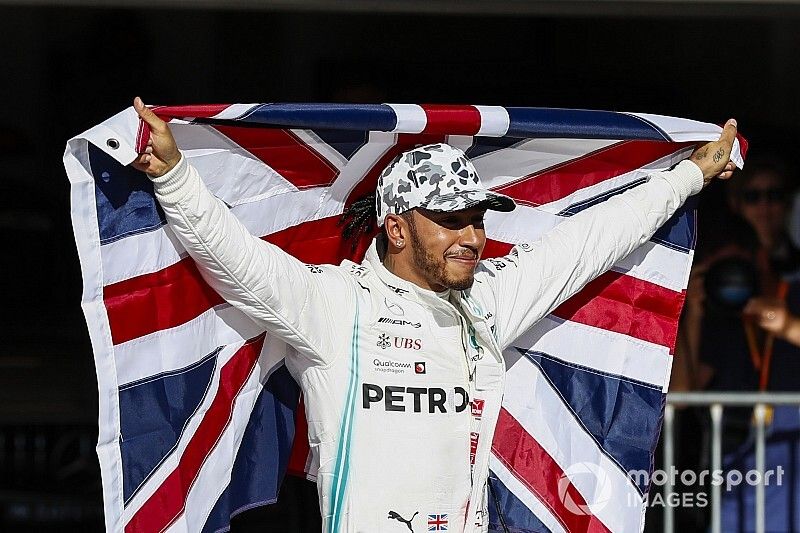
{"points": [[395, 516]]}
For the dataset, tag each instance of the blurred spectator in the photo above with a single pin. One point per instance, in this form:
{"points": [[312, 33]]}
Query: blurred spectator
{"points": [[730, 257], [732, 352], [761, 194], [741, 331], [745, 254]]}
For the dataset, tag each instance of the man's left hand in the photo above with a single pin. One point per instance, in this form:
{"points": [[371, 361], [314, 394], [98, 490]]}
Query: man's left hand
{"points": [[714, 158]]}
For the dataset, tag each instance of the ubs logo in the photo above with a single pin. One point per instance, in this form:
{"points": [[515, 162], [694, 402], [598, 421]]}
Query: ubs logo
{"points": [[402, 343], [406, 343]]}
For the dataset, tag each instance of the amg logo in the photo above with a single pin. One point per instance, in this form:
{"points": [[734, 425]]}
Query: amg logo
{"points": [[386, 320], [395, 398]]}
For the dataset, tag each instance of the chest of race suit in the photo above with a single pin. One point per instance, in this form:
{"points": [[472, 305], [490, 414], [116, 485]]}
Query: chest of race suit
{"points": [[426, 385]]}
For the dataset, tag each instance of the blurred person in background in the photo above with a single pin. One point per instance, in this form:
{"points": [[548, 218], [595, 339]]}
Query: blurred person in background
{"points": [[761, 195], [740, 331], [741, 269], [741, 255]]}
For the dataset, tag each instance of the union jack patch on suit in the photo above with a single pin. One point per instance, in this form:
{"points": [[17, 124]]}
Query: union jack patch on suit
{"points": [[437, 522]]}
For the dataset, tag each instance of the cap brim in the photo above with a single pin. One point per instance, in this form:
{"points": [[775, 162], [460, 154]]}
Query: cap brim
{"points": [[468, 199]]}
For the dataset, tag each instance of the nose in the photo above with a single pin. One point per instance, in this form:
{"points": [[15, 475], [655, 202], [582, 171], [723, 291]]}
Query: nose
{"points": [[471, 237]]}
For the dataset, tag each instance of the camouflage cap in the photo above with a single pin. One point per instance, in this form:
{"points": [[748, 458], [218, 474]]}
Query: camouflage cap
{"points": [[438, 177]]}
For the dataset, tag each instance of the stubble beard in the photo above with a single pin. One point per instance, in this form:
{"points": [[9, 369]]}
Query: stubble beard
{"points": [[435, 269]]}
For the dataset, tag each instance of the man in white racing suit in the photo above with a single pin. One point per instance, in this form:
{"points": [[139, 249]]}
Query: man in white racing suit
{"points": [[400, 357]]}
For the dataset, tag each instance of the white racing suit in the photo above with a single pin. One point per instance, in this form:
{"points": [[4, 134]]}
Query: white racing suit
{"points": [[403, 385]]}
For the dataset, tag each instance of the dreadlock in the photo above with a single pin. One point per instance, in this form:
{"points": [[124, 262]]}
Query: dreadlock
{"points": [[358, 219]]}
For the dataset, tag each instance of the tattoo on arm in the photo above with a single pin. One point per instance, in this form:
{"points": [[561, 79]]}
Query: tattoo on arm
{"points": [[701, 154], [718, 155]]}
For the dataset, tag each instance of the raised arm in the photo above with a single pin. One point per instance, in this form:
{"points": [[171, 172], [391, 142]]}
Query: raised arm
{"points": [[534, 279], [285, 296]]}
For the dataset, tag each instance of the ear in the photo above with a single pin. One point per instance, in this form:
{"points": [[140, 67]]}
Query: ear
{"points": [[397, 231]]}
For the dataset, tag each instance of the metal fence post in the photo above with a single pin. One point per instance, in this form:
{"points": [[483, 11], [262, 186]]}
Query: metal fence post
{"points": [[717, 400], [669, 460], [760, 415], [716, 466]]}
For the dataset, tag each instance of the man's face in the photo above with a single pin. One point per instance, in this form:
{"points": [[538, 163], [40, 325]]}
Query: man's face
{"points": [[446, 247], [763, 205]]}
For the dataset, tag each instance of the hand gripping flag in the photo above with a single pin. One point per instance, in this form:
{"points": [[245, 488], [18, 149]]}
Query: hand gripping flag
{"points": [[198, 415]]}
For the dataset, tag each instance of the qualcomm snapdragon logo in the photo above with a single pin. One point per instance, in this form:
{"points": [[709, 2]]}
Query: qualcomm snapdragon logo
{"points": [[593, 481]]}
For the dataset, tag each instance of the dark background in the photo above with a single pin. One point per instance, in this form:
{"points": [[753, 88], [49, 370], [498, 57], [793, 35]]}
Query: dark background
{"points": [[66, 68]]}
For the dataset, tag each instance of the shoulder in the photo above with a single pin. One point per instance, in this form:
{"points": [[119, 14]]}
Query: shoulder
{"points": [[493, 265]]}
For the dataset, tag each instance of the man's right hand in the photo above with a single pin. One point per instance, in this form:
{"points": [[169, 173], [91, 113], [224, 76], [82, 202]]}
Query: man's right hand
{"points": [[161, 154], [714, 158]]}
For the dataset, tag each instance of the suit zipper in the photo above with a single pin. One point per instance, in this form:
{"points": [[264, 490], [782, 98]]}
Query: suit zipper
{"points": [[465, 347]]}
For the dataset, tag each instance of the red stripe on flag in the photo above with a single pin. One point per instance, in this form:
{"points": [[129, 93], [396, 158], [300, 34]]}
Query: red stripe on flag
{"points": [[624, 304], [168, 112], [541, 474], [496, 249], [743, 145], [189, 111], [156, 301], [452, 119], [142, 137], [290, 157], [562, 180], [169, 500]]}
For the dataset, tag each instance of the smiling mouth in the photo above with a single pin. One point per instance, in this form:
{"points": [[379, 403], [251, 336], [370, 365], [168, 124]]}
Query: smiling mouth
{"points": [[463, 258]]}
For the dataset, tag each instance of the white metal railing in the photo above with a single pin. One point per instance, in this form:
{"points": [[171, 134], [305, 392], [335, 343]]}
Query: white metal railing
{"points": [[716, 402]]}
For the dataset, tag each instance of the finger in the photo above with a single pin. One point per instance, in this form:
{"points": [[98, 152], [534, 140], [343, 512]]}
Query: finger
{"points": [[141, 167], [767, 316], [729, 132], [754, 307], [149, 149], [146, 114]]}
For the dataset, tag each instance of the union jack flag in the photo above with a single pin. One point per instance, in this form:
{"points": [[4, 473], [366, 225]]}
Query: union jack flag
{"points": [[193, 394], [437, 522]]}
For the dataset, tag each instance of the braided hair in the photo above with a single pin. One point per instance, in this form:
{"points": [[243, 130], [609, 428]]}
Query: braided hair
{"points": [[359, 219]]}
